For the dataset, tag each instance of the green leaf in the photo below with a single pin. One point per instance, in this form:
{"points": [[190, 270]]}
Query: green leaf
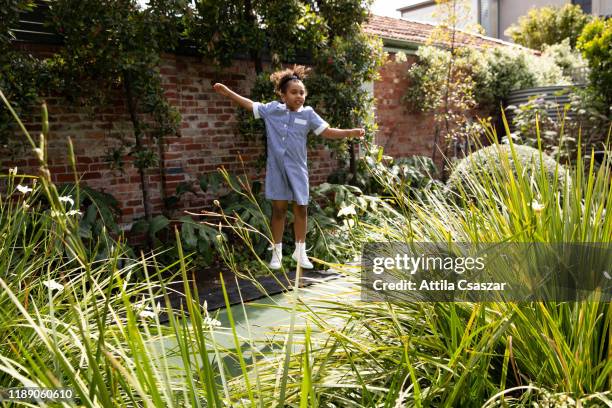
{"points": [[379, 157], [157, 224], [188, 234]]}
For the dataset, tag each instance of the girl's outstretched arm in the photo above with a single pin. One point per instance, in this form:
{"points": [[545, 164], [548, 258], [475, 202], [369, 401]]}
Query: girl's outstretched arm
{"points": [[240, 100], [333, 133]]}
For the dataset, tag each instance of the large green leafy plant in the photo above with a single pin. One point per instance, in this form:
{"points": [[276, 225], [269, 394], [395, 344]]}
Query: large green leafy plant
{"points": [[549, 25]]}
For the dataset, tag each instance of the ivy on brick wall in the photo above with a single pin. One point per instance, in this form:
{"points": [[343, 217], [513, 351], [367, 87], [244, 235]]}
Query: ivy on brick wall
{"points": [[24, 79], [109, 48], [114, 47]]}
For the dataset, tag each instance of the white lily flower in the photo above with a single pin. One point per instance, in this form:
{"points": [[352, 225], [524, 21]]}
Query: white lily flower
{"points": [[53, 285], [13, 171], [209, 321], [146, 313], [74, 212], [349, 223], [537, 206], [346, 211], [23, 189], [67, 199]]}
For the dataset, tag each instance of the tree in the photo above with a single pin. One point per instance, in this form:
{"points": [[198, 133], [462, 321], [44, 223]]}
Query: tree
{"points": [[595, 44], [115, 46], [445, 78], [327, 31], [343, 64], [549, 25]]}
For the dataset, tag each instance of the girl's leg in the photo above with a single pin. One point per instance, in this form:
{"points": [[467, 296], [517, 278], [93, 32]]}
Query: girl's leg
{"points": [[279, 214], [301, 217]]}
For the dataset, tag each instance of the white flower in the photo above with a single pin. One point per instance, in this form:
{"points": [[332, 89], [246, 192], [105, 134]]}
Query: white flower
{"points": [[346, 211], [13, 171], [209, 321], [67, 199], [349, 223], [537, 206], [74, 212], [53, 285], [146, 313], [23, 189]]}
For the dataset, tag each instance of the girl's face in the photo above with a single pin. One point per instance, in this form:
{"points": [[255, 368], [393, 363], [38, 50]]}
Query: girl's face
{"points": [[294, 95]]}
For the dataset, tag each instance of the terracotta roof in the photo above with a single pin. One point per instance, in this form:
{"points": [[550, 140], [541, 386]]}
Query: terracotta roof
{"points": [[401, 29]]}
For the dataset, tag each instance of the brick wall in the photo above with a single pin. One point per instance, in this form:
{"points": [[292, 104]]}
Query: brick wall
{"points": [[208, 136], [402, 132]]}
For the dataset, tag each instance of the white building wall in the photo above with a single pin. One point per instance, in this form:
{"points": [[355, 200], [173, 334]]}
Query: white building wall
{"points": [[602, 7]]}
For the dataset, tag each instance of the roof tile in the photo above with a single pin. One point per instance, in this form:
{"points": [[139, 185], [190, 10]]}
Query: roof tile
{"points": [[419, 33]]}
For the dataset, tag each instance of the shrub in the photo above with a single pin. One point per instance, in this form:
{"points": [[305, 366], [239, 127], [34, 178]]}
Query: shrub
{"points": [[377, 174], [548, 25], [508, 69], [428, 76], [490, 75], [579, 120], [594, 42], [567, 58], [485, 162]]}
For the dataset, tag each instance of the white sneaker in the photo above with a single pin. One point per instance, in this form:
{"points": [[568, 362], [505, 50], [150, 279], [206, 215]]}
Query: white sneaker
{"points": [[299, 256], [277, 257]]}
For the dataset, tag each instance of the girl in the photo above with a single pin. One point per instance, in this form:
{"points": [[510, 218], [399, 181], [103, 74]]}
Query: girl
{"points": [[287, 126]]}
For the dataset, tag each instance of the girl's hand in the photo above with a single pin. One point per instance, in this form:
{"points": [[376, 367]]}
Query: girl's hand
{"points": [[357, 133], [221, 89]]}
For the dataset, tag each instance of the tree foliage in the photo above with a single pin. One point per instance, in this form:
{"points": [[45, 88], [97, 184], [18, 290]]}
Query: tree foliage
{"points": [[344, 58], [23, 78], [451, 80], [595, 42], [224, 29], [549, 25]]}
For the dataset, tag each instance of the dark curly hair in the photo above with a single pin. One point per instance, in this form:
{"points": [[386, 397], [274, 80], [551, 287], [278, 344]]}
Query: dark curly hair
{"points": [[282, 78]]}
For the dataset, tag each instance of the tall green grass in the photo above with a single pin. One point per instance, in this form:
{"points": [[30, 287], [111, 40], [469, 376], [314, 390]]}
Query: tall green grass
{"points": [[472, 354], [69, 319]]}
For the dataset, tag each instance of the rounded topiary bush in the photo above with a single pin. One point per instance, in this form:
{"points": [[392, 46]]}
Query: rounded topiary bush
{"points": [[486, 164]]}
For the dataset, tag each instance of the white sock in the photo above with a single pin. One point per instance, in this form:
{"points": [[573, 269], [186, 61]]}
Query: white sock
{"points": [[300, 248], [278, 248]]}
